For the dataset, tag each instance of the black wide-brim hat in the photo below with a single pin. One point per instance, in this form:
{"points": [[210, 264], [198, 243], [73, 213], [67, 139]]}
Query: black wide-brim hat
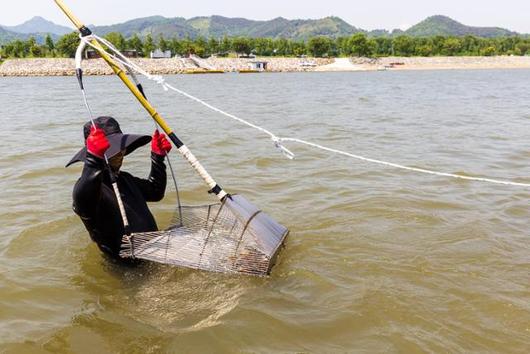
{"points": [[118, 141]]}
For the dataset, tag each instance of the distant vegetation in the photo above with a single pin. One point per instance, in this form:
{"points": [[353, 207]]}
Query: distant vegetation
{"points": [[446, 26], [358, 44], [297, 30], [217, 35], [219, 27]]}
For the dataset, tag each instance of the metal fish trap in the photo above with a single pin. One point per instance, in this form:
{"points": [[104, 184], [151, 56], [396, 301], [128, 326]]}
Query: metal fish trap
{"points": [[229, 237]]}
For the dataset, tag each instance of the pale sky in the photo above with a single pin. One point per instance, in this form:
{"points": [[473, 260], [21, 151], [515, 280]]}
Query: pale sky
{"points": [[369, 15]]}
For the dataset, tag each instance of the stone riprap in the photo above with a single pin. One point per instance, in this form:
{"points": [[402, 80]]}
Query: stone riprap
{"points": [[66, 67], [63, 67]]}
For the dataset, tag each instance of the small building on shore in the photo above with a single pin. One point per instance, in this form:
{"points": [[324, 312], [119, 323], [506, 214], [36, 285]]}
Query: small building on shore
{"points": [[258, 65], [159, 54]]}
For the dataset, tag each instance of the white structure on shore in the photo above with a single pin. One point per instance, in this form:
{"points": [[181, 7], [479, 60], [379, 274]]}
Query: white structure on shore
{"points": [[258, 65], [308, 64], [159, 54]]}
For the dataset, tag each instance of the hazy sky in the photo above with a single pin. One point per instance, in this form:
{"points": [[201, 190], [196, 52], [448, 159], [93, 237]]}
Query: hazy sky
{"points": [[388, 14]]}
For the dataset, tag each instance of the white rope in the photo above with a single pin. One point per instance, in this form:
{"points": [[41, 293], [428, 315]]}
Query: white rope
{"points": [[119, 57], [413, 169], [276, 139]]}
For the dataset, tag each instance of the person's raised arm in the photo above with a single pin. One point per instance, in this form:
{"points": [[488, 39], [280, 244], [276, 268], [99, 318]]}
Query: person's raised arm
{"points": [[154, 187], [87, 190]]}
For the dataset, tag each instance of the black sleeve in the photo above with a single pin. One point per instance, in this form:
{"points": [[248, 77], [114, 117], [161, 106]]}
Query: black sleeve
{"points": [[87, 190], [154, 187]]}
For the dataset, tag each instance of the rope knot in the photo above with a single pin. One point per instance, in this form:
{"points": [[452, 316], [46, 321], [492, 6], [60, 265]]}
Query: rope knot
{"points": [[159, 80], [278, 143]]}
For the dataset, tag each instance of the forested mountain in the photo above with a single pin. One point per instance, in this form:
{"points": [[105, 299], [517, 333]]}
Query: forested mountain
{"points": [[8, 36], [445, 26], [39, 25], [218, 27], [333, 27]]}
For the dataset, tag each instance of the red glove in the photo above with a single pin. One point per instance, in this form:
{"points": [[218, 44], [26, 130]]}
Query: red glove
{"points": [[160, 145], [97, 143]]}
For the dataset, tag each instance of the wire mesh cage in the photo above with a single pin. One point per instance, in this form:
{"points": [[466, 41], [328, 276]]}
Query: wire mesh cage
{"points": [[229, 237]]}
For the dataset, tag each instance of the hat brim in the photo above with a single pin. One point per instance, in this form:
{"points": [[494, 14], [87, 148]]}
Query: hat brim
{"points": [[118, 142]]}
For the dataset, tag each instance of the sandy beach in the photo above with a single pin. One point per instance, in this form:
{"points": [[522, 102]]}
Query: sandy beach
{"points": [[66, 67]]}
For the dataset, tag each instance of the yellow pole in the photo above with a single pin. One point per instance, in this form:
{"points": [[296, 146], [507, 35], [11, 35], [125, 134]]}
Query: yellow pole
{"points": [[77, 23], [215, 188], [121, 74]]}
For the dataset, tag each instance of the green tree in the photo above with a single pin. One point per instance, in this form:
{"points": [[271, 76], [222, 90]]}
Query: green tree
{"points": [[507, 45], [319, 46], [19, 49], [241, 45], [282, 47], [403, 46], [117, 40], [342, 44], [298, 48], [264, 46], [8, 50], [200, 47], [252, 45], [452, 46], [213, 46], [176, 46], [67, 44], [470, 45], [361, 46], [383, 46], [49, 43], [226, 45], [523, 48], [489, 51], [135, 43], [34, 50], [162, 43], [149, 45], [188, 47], [424, 50]]}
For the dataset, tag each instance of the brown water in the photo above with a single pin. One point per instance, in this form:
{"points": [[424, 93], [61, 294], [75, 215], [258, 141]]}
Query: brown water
{"points": [[378, 260]]}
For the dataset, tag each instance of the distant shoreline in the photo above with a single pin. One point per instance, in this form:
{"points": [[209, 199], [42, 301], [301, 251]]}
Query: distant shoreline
{"points": [[66, 67]]}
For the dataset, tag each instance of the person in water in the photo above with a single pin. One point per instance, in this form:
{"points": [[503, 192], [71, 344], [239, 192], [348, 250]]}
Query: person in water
{"points": [[94, 200]]}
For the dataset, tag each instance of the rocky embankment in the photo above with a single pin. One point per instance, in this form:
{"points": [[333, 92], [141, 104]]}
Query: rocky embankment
{"points": [[66, 67], [62, 67]]}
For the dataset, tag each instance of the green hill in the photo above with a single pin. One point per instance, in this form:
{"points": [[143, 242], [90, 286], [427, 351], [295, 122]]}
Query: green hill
{"points": [[39, 25], [8, 36], [154, 25], [219, 26], [445, 26]]}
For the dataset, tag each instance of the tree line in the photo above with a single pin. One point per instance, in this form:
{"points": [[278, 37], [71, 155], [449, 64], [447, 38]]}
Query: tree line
{"points": [[358, 45]]}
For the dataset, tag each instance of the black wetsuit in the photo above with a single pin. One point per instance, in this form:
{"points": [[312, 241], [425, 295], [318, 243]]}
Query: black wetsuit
{"points": [[96, 203]]}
